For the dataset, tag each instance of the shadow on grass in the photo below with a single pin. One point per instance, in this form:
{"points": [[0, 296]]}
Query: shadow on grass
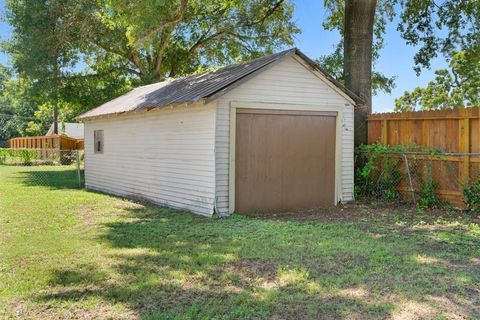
{"points": [[82, 274], [175, 265], [57, 179]]}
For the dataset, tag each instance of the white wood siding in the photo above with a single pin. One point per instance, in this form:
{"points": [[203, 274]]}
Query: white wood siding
{"points": [[287, 82], [165, 156]]}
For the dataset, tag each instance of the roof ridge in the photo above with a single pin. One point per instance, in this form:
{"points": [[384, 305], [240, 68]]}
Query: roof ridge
{"points": [[151, 84], [258, 58]]}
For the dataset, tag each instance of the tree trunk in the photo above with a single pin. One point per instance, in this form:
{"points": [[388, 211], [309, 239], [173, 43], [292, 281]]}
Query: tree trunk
{"points": [[358, 41], [55, 118], [55, 107]]}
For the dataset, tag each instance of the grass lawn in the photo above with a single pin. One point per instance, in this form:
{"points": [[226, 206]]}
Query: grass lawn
{"points": [[69, 253]]}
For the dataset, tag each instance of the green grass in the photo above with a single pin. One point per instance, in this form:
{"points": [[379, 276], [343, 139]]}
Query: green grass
{"points": [[70, 253]]}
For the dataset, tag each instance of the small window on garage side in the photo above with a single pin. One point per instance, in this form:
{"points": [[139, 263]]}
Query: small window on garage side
{"points": [[98, 141]]}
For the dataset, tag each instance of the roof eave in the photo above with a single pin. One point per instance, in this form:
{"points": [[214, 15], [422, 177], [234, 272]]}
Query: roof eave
{"points": [[145, 109]]}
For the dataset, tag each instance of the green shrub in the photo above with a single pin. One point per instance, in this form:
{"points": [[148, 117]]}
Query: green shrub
{"points": [[18, 156], [378, 173], [5, 153], [27, 156], [428, 190], [389, 179], [67, 158], [471, 195]]}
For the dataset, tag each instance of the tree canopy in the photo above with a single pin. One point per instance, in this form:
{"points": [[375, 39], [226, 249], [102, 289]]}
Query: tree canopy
{"points": [[436, 27], [440, 27], [450, 28], [149, 39], [16, 109], [160, 39], [73, 55], [76, 54], [457, 87]]}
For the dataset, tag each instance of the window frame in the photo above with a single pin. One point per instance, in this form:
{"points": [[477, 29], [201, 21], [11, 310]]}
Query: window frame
{"points": [[98, 141]]}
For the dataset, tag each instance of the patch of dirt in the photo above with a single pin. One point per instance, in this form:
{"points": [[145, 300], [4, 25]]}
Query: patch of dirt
{"points": [[245, 274], [266, 269], [365, 211], [340, 213], [23, 309], [456, 307]]}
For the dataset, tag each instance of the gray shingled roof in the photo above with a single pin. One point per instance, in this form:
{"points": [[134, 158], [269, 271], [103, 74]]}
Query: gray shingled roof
{"points": [[205, 86]]}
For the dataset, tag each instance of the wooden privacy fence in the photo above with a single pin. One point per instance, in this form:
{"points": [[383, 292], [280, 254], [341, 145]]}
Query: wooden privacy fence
{"points": [[46, 142], [47, 145], [456, 132]]}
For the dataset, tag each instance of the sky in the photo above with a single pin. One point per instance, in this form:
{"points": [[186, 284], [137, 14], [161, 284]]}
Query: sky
{"points": [[396, 58]]}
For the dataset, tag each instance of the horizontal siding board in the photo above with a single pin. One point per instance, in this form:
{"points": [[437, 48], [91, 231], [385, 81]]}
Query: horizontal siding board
{"points": [[286, 82], [165, 156], [178, 184], [164, 166], [154, 199], [168, 191], [181, 158], [141, 190], [160, 175]]}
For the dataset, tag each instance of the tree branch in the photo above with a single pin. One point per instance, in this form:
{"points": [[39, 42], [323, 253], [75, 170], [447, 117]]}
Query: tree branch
{"points": [[267, 14], [204, 39], [135, 59], [455, 78], [176, 19], [163, 44], [167, 27], [199, 40]]}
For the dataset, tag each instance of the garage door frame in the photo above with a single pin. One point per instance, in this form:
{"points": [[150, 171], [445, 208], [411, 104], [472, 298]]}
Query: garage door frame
{"points": [[285, 107]]}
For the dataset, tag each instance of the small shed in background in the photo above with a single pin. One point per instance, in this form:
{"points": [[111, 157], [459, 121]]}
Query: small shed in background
{"points": [[71, 138], [72, 130]]}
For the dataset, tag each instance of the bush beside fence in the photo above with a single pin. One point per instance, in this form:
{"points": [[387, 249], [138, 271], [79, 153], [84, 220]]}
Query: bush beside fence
{"points": [[449, 164], [426, 177]]}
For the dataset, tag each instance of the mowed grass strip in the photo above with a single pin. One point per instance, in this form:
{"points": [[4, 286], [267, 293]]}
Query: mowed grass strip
{"points": [[70, 253]]}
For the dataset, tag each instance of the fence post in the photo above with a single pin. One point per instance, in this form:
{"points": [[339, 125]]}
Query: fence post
{"points": [[407, 167], [385, 132], [79, 176], [464, 147]]}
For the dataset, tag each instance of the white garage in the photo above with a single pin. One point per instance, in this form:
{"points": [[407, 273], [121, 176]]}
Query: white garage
{"points": [[267, 135]]}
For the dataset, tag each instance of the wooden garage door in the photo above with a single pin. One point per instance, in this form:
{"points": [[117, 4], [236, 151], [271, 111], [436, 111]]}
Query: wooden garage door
{"points": [[284, 160]]}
